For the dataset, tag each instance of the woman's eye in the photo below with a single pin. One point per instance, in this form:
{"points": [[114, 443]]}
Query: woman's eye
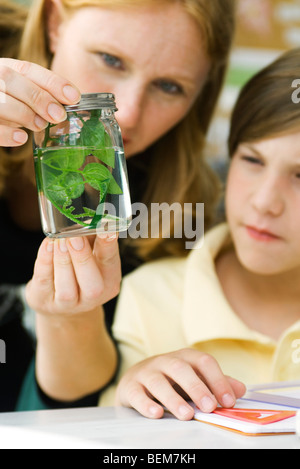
{"points": [[169, 87], [111, 60]]}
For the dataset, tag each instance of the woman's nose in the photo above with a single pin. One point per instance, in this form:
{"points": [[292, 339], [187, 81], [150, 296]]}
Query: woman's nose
{"points": [[131, 106]]}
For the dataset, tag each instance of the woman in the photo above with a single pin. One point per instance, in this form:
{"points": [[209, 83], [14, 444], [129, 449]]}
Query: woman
{"points": [[165, 63]]}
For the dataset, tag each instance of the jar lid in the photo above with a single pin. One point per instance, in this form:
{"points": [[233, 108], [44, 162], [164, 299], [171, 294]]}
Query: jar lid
{"points": [[93, 101]]}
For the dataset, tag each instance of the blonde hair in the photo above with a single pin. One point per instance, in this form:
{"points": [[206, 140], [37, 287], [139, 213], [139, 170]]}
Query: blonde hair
{"points": [[265, 107], [177, 169]]}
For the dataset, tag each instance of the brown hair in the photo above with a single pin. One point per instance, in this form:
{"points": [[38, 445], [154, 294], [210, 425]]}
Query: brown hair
{"points": [[177, 170], [12, 21], [265, 107]]}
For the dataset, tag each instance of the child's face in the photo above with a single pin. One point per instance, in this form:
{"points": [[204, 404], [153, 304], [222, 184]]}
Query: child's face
{"points": [[150, 57], [263, 204]]}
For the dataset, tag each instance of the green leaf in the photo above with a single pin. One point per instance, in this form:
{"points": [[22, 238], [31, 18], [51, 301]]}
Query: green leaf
{"points": [[73, 184], [65, 158], [53, 189], [107, 156], [64, 177], [93, 133], [96, 175], [114, 187]]}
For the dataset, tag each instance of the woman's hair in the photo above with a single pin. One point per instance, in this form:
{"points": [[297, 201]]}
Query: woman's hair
{"points": [[265, 107], [177, 169], [12, 21]]}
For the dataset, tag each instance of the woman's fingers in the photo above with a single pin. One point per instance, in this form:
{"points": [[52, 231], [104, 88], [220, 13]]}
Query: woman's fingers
{"points": [[72, 278], [40, 289], [12, 136], [30, 97], [89, 277], [16, 113], [66, 293], [58, 87], [107, 257]]}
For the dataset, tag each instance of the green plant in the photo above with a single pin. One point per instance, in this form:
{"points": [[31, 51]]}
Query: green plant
{"points": [[62, 173]]}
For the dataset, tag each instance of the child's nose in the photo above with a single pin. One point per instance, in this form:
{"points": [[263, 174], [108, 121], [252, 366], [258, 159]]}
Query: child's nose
{"points": [[268, 198]]}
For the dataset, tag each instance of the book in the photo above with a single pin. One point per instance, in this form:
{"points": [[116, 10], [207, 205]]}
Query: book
{"points": [[286, 393], [267, 409]]}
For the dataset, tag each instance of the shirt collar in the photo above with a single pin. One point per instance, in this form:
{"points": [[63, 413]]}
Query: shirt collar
{"points": [[207, 315]]}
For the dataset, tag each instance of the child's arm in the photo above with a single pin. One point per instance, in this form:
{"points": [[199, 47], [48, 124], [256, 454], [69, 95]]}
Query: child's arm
{"points": [[75, 354], [171, 379]]}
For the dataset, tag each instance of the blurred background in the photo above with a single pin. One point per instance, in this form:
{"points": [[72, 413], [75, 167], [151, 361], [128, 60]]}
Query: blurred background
{"points": [[265, 29]]}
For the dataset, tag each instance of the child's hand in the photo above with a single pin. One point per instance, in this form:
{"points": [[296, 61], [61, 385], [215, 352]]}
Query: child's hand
{"points": [[173, 378], [30, 97], [70, 278]]}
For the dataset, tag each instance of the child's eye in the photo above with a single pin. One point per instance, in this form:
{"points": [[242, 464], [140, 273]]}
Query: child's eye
{"points": [[169, 87], [252, 159], [111, 61]]}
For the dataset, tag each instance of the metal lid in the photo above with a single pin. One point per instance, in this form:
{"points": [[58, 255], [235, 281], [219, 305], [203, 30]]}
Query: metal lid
{"points": [[93, 101]]}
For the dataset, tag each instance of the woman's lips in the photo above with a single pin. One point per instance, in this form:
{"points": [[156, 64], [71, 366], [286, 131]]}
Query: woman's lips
{"points": [[261, 234]]}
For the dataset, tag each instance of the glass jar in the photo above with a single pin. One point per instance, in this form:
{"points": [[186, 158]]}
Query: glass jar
{"points": [[81, 171]]}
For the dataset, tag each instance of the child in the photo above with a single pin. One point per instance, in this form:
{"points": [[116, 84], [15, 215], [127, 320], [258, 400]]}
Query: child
{"points": [[234, 304]]}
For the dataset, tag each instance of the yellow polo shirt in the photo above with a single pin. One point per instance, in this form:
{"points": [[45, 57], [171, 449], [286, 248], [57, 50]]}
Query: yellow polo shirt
{"points": [[176, 303]]}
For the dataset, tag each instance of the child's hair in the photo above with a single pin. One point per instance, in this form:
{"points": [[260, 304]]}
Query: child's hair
{"points": [[265, 107], [177, 171]]}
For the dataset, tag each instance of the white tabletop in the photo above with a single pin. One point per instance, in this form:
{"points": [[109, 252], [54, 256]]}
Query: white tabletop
{"points": [[122, 428]]}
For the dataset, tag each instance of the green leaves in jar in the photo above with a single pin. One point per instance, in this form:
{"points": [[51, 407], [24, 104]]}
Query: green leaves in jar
{"points": [[67, 172]]}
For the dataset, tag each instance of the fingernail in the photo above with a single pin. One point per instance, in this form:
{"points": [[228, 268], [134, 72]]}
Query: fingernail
{"points": [[107, 236], [153, 410], [207, 404], [77, 243], [56, 112], [71, 93], [62, 245], [40, 122], [20, 137], [50, 245], [183, 410], [228, 400]]}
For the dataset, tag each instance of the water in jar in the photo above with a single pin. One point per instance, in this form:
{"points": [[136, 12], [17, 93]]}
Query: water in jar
{"points": [[82, 190]]}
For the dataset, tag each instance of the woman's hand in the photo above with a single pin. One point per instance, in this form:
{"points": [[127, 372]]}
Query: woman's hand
{"points": [[171, 379], [30, 97], [71, 278]]}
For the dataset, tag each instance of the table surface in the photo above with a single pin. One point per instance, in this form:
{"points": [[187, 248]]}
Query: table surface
{"points": [[110, 427]]}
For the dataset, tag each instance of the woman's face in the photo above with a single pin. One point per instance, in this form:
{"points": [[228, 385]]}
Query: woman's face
{"points": [[263, 204], [151, 58]]}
